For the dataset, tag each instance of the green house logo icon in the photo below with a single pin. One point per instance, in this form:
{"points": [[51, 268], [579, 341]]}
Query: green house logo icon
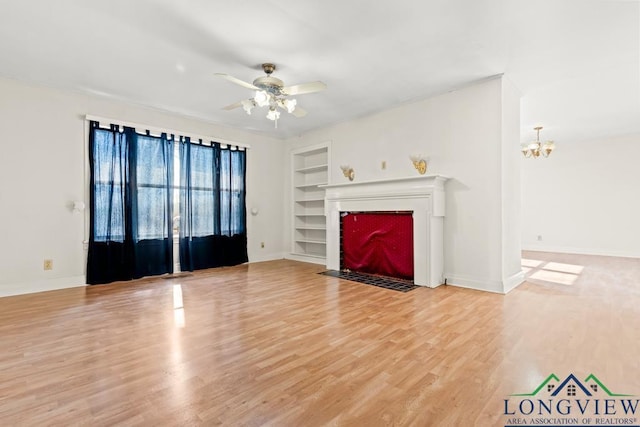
{"points": [[572, 387]]}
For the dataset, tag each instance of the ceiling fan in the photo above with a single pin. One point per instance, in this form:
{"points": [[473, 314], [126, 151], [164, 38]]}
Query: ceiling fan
{"points": [[271, 92]]}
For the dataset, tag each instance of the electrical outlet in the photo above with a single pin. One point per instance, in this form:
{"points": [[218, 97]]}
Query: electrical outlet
{"points": [[48, 264], [262, 245], [539, 238]]}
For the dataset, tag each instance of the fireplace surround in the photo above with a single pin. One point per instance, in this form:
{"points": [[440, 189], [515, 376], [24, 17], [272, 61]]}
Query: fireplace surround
{"points": [[424, 196]]}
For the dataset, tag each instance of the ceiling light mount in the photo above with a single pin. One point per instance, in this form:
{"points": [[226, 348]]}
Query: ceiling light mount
{"points": [[268, 68]]}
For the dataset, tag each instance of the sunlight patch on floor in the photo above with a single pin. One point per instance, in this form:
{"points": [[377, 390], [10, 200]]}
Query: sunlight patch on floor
{"points": [[551, 272], [178, 307], [555, 277], [564, 268], [531, 262]]}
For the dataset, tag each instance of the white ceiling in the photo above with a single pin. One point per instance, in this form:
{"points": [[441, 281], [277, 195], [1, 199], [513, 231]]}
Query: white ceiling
{"points": [[577, 62]]}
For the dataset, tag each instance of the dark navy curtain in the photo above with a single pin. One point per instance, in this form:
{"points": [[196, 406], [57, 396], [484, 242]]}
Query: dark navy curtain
{"points": [[212, 206], [131, 205]]}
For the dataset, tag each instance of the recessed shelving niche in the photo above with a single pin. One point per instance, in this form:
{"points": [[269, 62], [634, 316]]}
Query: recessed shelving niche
{"points": [[310, 169]]}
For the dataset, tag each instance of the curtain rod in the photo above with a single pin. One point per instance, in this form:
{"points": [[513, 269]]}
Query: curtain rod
{"points": [[194, 137]]}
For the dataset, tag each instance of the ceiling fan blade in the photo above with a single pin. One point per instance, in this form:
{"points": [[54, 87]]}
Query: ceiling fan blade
{"points": [[303, 88], [237, 81], [232, 106], [299, 112]]}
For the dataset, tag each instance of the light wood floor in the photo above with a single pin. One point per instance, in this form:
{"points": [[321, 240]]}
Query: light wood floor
{"points": [[276, 344]]}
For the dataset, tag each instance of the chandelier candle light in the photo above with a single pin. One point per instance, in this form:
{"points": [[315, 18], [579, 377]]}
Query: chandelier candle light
{"points": [[536, 148]]}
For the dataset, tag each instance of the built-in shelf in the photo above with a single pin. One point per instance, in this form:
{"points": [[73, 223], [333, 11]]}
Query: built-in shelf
{"points": [[310, 171], [316, 168], [316, 242], [307, 254], [311, 227], [310, 199], [311, 184]]}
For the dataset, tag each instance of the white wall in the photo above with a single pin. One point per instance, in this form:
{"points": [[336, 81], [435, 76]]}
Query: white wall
{"points": [[42, 169], [584, 198], [462, 132], [511, 188]]}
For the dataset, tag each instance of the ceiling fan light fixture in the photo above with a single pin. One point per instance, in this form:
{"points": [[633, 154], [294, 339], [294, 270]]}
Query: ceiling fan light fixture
{"points": [[262, 98], [273, 114], [290, 105], [248, 105]]}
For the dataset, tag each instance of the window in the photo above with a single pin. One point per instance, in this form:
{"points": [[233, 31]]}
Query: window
{"points": [[109, 168], [212, 206], [202, 188], [137, 190], [571, 390], [153, 176], [130, 209], [231, 192]]}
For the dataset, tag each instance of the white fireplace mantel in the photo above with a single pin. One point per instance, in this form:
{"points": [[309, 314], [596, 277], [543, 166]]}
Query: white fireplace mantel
{"points": [[422, 195]]}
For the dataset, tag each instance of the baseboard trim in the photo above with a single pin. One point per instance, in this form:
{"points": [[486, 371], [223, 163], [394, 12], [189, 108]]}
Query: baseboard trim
{"points": [[513, 282], [302, 258], [494, 286], [266, 257], [579, 251], [10, 289]]}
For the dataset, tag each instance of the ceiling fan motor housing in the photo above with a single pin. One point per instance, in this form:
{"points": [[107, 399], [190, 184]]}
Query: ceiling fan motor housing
{"points": [[270, 84]]}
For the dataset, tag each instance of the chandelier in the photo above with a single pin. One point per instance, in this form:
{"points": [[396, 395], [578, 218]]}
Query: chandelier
{"points": [[536, 148]]}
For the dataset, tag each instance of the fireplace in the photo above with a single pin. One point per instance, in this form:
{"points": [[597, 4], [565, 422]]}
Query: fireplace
{"points": [[423, 196]]}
